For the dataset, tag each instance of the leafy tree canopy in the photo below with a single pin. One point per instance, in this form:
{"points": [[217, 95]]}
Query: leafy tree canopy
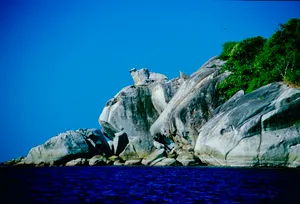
{"points": [[256, 61]]}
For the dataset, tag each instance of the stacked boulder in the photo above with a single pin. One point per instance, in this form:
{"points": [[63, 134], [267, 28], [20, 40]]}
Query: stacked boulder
{"points": [[183, 122]]}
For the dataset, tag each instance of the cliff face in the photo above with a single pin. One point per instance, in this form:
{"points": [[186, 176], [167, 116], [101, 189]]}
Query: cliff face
{"points": [[184, 121]]}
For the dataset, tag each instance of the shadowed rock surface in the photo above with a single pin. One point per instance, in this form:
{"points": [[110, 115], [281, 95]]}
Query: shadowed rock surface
{"points": [[120, 141]]}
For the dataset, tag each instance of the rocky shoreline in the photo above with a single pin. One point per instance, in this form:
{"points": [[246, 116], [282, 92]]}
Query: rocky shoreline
{"points": [[183, 122]]}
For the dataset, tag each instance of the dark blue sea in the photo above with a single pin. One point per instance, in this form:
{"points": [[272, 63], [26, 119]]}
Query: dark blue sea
{"points": [[117, 184]]}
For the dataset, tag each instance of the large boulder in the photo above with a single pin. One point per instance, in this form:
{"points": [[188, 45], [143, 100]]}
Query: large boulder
{"points": [[67, 146], [261, 128], [192, 105], [135, 108], [137, 148]]}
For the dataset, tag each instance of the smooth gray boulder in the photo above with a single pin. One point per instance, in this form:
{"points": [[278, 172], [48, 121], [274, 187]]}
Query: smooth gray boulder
{"points": [[154, 77], [261, 128], [191, 106], [137, 148], [156, 161], [96, 138], [166, 162], [98, 160], [294, 156], [132, 162], [120, 141], [77, 162], [68, 146], [187, 159], [143, 76], [159, 153]]}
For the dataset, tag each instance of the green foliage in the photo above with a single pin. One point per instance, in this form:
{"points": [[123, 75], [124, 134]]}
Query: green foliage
{"points": [[241, 64], [227, 47], [256, 61], [281, 55]]}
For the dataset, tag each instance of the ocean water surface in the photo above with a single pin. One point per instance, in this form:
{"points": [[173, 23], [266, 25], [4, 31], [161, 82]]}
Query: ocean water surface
{"points": [[138, 184]]}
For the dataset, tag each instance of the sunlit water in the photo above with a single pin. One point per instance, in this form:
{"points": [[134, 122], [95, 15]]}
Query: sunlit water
{"points": [[149, 185]]}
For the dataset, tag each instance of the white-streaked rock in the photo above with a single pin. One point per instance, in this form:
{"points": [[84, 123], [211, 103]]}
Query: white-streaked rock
{"points": [[257, 129], [192, 105]]}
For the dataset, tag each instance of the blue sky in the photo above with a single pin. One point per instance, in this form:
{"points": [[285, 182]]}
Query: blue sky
{"points": [[61, 61]]}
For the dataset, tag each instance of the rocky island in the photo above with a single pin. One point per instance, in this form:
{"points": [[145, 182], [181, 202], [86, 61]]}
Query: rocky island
{"points": [[183, 121], [238, 109]]}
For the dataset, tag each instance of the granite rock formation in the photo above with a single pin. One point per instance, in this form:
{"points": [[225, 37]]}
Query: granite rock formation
{"points": [[183, 122]]}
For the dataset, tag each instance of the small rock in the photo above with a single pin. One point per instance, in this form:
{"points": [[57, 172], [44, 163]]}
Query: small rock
{"points": [[118, 163], [77, 162], [97, 160], [187, 159], [157, 160], [153, 156], [167, 162], [133, 162], [114, 158], [158, 145]]}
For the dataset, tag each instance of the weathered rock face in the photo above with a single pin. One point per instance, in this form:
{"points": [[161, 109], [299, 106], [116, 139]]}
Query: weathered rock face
{"points": [[192, 105], [183, 121], [83, 143], [143, 76], [135, 108], [261, 128], [137, 148]]}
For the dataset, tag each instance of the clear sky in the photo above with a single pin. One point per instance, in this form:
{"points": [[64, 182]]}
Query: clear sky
{"points": [[62, 60]]}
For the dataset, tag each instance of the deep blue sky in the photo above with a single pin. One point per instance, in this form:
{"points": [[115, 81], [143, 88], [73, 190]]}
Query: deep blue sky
{"points": [[62, 60]]}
